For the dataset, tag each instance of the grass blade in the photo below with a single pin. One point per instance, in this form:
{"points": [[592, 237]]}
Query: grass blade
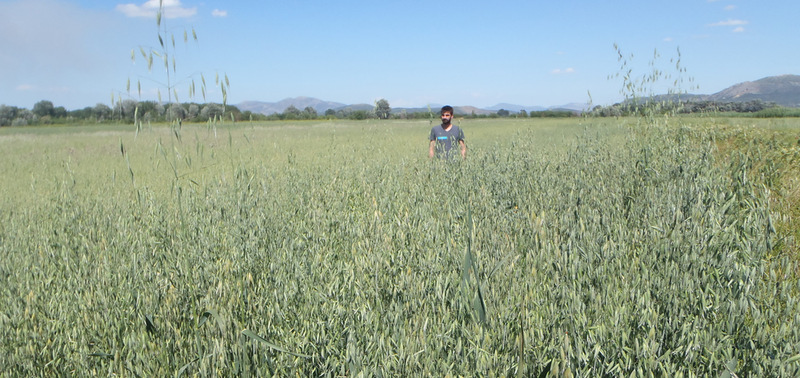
{"points": [[256, 337]]}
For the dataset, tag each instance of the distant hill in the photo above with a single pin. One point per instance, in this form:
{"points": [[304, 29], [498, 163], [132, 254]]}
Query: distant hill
{"points": [[468, 110], [268, 108], [783, 90], [515, 108], [301, 103], [573, 106], [434, 109]]}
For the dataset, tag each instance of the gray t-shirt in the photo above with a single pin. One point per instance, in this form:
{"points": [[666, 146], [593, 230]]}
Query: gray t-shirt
{"points": [[446, 139]]}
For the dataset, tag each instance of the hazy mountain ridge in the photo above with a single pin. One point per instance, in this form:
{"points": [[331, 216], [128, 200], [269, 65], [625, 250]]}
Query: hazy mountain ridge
{"points": [[301, 103], [783, 90], [322, 106]]}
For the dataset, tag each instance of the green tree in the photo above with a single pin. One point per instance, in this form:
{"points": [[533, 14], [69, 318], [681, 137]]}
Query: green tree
{"points": [[7, 114], [43, 108], [382, 109], [212, 111], [126, 109], [176, 112], [23, 117], [147, 110], [194, 112], [503, 113], [59, 112], [359, 115], [309, 113], [81, 114], [291, 112], [101, 112]]}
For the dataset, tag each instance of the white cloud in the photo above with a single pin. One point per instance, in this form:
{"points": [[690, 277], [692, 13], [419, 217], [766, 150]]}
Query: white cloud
{"points": [[739, 24], [667, 39], [559, 71], [730, 7], [25, 87], [219, 13], [730, 23], [171, 9]]}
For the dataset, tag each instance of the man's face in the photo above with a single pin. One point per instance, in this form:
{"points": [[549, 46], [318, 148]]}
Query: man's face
{"points": [[446, 118]]}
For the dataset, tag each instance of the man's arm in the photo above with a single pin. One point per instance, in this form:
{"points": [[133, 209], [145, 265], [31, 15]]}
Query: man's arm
{"points": [[431, 149], [463, 148]]}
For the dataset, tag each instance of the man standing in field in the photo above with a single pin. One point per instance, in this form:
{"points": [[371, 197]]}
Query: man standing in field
{"points": [[444, 136]]}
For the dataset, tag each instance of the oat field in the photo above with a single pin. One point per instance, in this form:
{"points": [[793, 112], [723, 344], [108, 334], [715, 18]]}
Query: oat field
{"points": [[574, 247]]}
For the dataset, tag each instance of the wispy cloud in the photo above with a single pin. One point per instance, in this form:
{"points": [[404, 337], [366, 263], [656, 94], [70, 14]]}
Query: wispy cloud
{"points": [[559, 71], [219, 13], [171, 8], [667, 39], [730, 23], [24, 87], [739, 24], [730, 7]]}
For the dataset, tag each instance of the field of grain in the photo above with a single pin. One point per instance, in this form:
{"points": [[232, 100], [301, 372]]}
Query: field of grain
{"points": [[576, 247]]}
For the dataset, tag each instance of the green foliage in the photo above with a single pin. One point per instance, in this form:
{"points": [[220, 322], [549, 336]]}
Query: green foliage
{"points": [[292, 113], [382, 109], [309, 113], [8, 114], [674, 105], [574, 247], [777, 112], [553, 114], [43, 108], [358, 115]]}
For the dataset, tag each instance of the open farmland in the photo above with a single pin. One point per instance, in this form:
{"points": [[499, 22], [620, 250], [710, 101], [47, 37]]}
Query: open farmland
{"points": [[582, 247]]}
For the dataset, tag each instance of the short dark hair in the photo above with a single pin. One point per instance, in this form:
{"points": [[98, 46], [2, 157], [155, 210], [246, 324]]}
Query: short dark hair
{"points": [[447, 108]]}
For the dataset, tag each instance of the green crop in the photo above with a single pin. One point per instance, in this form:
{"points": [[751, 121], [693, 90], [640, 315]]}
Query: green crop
{"points": [[564, 247]]}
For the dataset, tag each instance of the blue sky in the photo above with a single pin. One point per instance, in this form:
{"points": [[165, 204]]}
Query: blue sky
{"points": [[77, 53]]}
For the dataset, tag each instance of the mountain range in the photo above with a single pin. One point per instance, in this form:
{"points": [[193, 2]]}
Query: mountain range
{"points": [[783, 90]]}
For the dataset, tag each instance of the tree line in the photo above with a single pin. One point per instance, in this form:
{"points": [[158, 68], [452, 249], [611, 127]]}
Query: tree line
{"points": [[128, 111], [685, 107], [125, 111]]}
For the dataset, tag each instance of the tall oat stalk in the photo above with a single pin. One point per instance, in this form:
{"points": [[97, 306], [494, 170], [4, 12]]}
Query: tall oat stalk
{"points": [[165, 52]]}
